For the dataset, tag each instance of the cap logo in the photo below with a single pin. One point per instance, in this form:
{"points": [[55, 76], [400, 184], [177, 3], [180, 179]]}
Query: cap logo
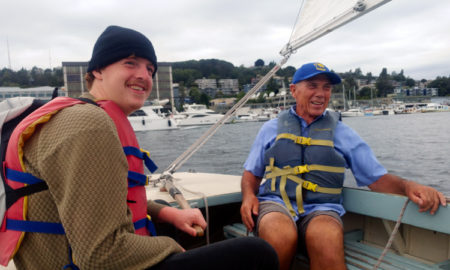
{"points": [[320, 67]]}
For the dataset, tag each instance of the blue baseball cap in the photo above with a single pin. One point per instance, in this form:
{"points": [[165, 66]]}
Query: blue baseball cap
{"points": [[310, 70]]}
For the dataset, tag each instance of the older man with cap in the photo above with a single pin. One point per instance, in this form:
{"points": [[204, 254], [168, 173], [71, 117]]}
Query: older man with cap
{"points": [[92, 211], [303, 155]]}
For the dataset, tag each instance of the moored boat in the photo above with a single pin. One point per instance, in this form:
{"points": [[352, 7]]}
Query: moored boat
{"points": [[196, 114], [353, 113], [146, 119], [435, 107]]}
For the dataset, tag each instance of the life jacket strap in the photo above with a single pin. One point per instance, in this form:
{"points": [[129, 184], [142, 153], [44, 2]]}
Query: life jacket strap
{"points": [[71, 264], [287, 174], [138, 179], [22, 177], [34, 226], [142, 154], [273, 171], [304, 140], [146, 222]]}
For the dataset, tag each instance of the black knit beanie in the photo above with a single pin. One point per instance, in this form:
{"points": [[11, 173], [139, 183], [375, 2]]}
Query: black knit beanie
{"points": [[116, 43]]}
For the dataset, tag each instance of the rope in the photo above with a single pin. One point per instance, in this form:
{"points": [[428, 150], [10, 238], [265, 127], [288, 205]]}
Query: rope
{"points": [[205, 201], [391, 238]]}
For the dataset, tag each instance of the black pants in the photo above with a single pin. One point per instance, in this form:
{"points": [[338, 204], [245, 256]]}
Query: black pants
{"points": [[239, 253]]}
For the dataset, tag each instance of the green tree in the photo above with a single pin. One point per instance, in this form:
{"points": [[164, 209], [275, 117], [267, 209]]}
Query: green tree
{"points": [[365, 93], [383, 84], [240, 95], [259, 63], [195, 94], [410, 82], [272, 86], [442, 84], [204, 99], [219, 94]]}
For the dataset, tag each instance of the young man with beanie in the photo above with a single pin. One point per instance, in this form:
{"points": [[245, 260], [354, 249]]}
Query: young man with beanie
{"points": [[93, 213], [303, 155]]}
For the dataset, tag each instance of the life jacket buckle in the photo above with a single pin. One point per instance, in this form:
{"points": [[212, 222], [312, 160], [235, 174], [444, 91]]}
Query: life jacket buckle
{"points": [[301, 169], [145, 152], [303, 140], [309, 186]]}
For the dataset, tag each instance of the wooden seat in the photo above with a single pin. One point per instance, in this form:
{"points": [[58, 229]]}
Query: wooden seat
{"points": [[357, 254]]}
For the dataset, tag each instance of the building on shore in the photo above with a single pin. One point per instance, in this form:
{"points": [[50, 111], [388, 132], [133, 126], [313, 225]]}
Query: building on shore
{"points": [[41, 92]]}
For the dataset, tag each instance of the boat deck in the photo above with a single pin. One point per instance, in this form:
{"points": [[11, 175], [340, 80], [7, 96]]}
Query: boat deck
{"points": [[423, 240]]}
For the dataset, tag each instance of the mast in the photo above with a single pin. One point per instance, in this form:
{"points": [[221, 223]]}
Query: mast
{"points": [[9, 57], [343, 96], [371, 97], [50, 58]]}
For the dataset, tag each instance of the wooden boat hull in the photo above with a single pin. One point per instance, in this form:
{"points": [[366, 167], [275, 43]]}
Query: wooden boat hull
{"points": [[422, 242]]}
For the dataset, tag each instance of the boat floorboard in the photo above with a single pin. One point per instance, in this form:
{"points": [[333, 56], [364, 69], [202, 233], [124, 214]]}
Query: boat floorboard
{"points": [[357, 254]]}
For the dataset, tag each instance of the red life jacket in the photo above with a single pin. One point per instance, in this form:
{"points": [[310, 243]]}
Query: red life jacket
{"points": [[15, 224]]}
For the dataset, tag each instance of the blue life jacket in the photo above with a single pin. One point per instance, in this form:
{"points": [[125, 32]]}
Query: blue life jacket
{"points": [[304, 169]]}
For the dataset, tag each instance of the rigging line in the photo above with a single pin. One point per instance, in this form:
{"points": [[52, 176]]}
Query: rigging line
{"points": [[296, 20], [391, 238], [205, 202], [345, 17], [320, 30], [212, 130]]}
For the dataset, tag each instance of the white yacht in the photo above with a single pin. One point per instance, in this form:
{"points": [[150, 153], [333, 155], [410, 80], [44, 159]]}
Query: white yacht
{"points": [[435, 107], [247, 117], [352, 112], [195, 115], [147, 119]]}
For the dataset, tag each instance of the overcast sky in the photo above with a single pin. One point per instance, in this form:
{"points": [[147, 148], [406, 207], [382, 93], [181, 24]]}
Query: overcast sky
{"points": [[413, 35]]}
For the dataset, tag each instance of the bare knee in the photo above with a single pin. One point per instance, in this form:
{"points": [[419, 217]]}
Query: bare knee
{"points": [[277, 227], [280, 231], [325, 243]]}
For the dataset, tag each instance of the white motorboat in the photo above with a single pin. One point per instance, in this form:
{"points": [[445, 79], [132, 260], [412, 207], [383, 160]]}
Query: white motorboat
{"points": [[352, 112], [147, 119], [435, 107], [196, 114], [248, 117]]}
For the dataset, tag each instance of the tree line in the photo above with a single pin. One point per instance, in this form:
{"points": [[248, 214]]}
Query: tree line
{"points": [[186, 72]]}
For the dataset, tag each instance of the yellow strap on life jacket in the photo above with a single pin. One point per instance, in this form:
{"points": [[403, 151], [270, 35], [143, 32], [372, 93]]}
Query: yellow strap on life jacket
{"points": [[285, 174], [288, 170], [304, 140], [299, 198], [284, 195]]}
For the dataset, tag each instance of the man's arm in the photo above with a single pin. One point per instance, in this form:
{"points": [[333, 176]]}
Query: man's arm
{"points": [[250, 203], [427, 198]]}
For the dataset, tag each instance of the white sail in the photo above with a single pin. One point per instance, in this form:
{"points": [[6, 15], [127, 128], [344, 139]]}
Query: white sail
{"points": [[319, 17], [316, 18]]}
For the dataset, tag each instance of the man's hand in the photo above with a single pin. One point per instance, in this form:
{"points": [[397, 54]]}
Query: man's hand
{"points": [[183, 219], [250, 204], [249, 207], [427, 198]]}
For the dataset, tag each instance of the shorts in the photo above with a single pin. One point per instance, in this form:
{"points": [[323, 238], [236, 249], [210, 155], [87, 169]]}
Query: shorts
{"points": [[266, 207]]}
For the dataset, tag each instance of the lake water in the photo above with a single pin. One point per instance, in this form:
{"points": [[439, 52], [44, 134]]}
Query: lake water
{"points": [[413, 146]]}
